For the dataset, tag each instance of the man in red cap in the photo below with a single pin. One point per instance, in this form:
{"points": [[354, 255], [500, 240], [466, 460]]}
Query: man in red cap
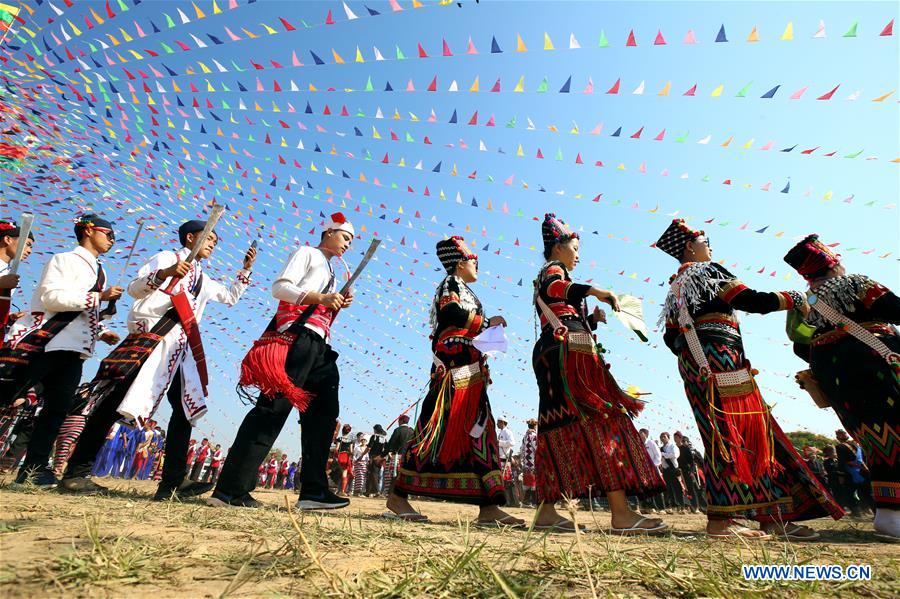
{"points": [[293, 365]]}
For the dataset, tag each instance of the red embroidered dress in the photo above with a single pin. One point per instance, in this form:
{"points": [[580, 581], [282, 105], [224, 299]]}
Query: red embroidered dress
{"points": [[587, 444], [751, 468], [454, 454]]}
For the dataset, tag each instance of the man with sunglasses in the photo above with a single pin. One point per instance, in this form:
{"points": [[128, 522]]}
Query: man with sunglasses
{"points": [[58, 335], [164, 361]]}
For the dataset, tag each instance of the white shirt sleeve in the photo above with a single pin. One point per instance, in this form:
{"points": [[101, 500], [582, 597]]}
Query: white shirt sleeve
{"points": [[287, 286], [58, 294], [145, 283], [229, 295]]}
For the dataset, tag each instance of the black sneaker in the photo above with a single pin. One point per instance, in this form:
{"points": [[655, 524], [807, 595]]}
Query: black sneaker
{"points": [[41, 478], [220, 499], [323, 501], [186, 490], [82, 486]]}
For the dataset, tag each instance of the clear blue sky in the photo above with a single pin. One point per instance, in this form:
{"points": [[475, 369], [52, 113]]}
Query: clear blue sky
{"points": [[383, 338]]}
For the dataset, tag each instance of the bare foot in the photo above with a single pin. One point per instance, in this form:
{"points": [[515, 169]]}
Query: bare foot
{"points": [[490, 514], [401, 506], [629, 519], [730, 528]]}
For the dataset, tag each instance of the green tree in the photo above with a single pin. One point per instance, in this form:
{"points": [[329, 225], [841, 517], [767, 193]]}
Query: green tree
{"points": [[801, 439]]}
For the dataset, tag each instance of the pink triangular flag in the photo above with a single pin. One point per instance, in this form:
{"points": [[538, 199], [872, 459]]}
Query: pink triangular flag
{"points": [[470, 49], [689, 38], [661, 136], [796, 95]]}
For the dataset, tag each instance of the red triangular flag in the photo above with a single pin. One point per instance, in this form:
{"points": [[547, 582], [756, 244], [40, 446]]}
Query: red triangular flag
{"points": [[829, 94], [660, 40], [447, 51], [615, 88], [637, 134], [432, 87], [888, 29], [631, 41], [329, 20]]}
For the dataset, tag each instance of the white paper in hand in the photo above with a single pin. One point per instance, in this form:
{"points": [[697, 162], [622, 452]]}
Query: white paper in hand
{"points": [[631, 314], [491, 340]]}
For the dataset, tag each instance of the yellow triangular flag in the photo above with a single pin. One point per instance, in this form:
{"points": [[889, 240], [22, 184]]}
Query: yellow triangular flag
{"points": [[788, 34], [216, 9], [717, 92], [520, 86], [548, 44], [474, 87], [359, 56], [520, 44]]}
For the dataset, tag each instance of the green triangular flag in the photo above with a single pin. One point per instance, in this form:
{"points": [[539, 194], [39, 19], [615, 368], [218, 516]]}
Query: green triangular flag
{"points": [[543, 86], [166, 48], [409, 138], [854, 154], [400, 54], [225, 88], [744, 90], [559, 154], [91, 46], [705, 179], [169, 21], [852, 31], [225, 105], [604, 43], [683, 138], [122, 6], [369, 86]]}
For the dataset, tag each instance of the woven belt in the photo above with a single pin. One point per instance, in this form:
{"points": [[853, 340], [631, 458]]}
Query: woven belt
{"points": [[853, 328], [730, 383], [580, 341], [876, 328], [462, 376]]}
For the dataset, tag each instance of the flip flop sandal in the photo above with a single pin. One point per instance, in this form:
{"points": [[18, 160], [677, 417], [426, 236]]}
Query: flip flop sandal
{"points": [[506, 522], [560, 526], [736, 531], [637, 529], [405, 516], [792, 535]]}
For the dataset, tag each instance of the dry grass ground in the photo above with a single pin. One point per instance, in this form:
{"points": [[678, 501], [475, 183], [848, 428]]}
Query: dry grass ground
{"points": [[127, 546]]}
